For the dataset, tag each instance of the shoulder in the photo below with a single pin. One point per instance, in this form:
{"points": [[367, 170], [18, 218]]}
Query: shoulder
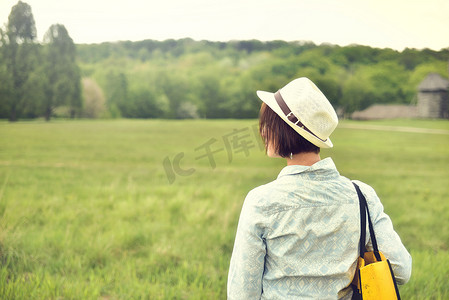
{"points": [[260, 190], [373, 201], [366, 189], [257, 195], [261, 198]]}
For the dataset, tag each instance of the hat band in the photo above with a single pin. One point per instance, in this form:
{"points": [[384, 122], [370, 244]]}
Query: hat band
{"points": [[290, 116]]}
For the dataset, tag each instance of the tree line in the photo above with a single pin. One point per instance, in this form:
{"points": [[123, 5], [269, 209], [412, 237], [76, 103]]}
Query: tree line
{"points": [[36, 78], [188, 79], [191, 79]]}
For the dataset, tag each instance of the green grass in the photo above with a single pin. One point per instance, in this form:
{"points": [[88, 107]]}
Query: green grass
{"points": [[87, 210]]}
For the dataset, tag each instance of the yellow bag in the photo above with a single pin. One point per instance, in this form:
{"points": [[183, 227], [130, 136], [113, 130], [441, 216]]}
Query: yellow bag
{"points": [[374, 278]]}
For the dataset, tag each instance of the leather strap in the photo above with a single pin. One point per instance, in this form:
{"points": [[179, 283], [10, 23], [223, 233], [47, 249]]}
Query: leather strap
{"points": [[364, 212], [362, 203], [290, 116]]}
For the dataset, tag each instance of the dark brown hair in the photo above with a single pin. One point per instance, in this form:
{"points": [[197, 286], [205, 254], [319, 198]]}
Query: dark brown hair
{"points": [[285, 139]]}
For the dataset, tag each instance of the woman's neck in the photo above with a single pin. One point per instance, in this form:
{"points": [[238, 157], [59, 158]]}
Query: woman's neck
{"points": [[304, 159]]}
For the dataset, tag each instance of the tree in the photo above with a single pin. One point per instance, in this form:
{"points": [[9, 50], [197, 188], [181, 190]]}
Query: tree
{"points": [[94, 100], [116, 93], [6, 80], [21, 26], [176, 88], [142, 103], [34, 95], [357, 93], [210, 94], [6, 90], [17, 52], [63, 88]]}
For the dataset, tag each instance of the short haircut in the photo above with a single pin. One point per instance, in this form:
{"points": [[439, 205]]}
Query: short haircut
{"points": [[284, 139]]}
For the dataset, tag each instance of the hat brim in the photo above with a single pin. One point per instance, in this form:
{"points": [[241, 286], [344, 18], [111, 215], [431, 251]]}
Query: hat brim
{"points": [[268, 99]]}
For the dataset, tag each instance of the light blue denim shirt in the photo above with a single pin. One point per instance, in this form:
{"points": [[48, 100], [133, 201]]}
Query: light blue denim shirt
{"points": [[298, 236]]}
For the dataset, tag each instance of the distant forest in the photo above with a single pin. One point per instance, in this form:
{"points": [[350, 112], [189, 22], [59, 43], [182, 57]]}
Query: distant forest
{"points": [[186, 78], [192, 79]]}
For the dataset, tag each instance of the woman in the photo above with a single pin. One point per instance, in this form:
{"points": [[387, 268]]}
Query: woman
{"points": [[298, 235]]}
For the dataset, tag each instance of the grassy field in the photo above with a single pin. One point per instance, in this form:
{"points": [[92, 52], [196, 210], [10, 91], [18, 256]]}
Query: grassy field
{"points": [[134, 209]]}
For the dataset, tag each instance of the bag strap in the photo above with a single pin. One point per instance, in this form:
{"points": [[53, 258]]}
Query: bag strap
{"points": [[362, 246], [364, 211]]}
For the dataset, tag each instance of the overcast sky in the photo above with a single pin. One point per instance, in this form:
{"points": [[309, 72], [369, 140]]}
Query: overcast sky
{"points": [[394, 24]]}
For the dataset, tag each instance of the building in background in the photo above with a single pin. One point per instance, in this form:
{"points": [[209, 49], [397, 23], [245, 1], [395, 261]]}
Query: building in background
{"points": [[433, 97], [386, 111], [433, 103]]}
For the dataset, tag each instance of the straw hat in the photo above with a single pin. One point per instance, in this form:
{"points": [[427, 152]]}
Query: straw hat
{"points": [[305, 108]]}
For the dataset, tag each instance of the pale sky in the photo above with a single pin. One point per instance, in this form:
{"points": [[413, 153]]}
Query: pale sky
{"points": [[394, 24]]}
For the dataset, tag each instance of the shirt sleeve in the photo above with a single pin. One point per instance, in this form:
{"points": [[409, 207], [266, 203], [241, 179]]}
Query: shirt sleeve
{"points": [[248, 257], [388, 240]]}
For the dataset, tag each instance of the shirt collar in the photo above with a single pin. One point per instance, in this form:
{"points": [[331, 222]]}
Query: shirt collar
{"points": [[325, 165]]}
